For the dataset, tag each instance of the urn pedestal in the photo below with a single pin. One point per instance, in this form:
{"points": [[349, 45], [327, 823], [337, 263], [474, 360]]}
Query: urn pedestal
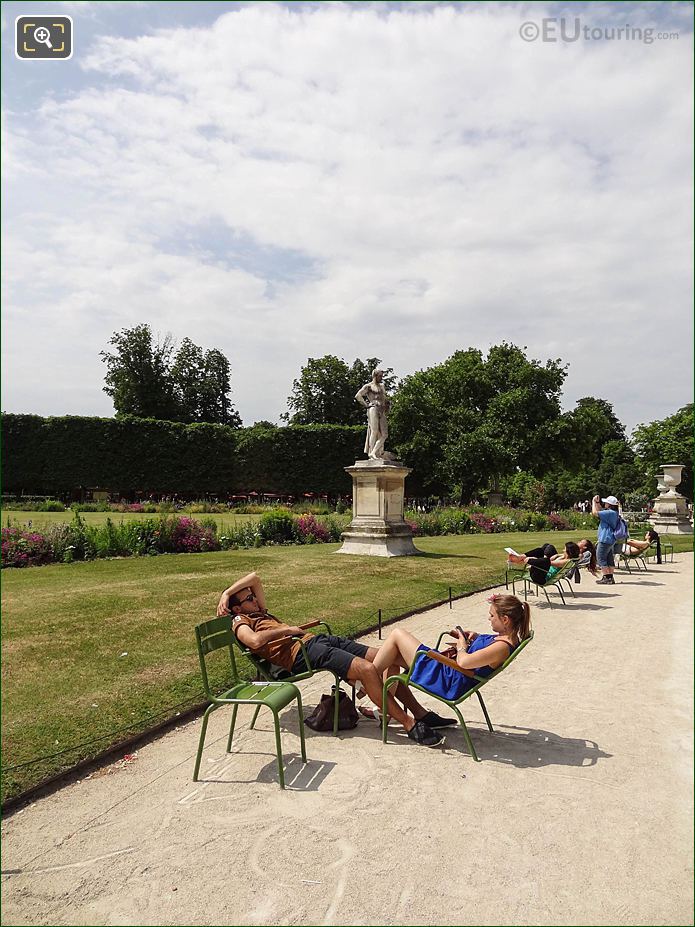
{"points": [[670, 515], [377, 528]]}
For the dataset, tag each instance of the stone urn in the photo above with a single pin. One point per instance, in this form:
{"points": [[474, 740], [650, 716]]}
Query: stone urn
{"points": [[672, 474], [670, 515]]}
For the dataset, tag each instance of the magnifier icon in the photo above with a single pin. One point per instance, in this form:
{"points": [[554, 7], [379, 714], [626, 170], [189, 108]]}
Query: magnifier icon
{"points": [[42, 35]]}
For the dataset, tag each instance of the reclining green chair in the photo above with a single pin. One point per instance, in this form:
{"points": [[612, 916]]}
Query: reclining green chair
{"points": [[267, 670], [214, 635], [480, 682], [627, 556], [564, 574]]}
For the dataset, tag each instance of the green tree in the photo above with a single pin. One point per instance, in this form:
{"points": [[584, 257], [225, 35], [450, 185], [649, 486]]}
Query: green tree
{"points": [[593, 423], [143, 380], [137, 374], [187, 376], [215, 404], [472, 420], [669, 440], [324, 394]]}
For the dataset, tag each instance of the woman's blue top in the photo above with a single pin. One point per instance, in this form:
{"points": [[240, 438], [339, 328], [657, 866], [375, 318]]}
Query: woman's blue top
{"points": [[445, 681]]}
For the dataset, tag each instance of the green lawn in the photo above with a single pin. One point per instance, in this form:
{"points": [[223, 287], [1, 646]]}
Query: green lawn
{"points": [[90, 648], [41, 520]]}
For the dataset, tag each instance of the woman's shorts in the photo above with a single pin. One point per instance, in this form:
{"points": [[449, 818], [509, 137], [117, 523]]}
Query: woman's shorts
{"points": [[604, 555]]}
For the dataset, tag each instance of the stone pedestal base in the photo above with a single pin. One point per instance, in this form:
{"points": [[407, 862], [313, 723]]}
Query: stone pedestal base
{"points": [[671, 514], [377, 528]]}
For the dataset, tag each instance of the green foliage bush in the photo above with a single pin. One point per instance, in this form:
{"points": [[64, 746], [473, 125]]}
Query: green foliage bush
{"points": [[278, 527]]}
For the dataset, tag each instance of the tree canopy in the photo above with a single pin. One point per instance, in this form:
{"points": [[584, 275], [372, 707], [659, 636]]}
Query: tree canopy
{"points": [[143, 380], [474, 419], [324, 393], [667, 441]]}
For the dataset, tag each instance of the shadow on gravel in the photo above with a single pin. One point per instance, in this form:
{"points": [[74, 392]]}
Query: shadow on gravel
{"points": [[527, 748]]}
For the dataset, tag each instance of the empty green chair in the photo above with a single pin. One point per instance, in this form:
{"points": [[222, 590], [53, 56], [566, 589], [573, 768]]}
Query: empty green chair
{"points": [[480, 681], [215, 635]]}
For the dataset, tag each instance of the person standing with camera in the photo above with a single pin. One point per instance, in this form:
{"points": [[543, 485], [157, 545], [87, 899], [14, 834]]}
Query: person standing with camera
{"points": [[609, 520]]}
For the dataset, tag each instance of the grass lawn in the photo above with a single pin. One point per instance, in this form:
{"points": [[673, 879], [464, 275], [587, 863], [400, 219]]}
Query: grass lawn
{"points": [[41, 520], [90, 648]]}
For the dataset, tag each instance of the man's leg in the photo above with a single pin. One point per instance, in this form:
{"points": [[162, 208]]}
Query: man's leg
{"points": [[363, 671]]}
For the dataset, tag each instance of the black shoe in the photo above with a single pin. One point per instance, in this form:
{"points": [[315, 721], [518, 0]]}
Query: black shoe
{"points": [[433, 720], [605, 581], [424, 735]]}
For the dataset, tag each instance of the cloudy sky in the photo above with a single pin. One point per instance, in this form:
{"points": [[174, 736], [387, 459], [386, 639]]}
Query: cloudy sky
{"points": [[403, 180]]}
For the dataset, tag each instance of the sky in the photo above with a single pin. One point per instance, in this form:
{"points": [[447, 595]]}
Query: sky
{"points": [[399, 180]]}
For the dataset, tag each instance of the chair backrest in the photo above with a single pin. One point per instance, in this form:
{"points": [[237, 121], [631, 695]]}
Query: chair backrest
{"points": [[512, 656], [561, 574], [214, 635]]}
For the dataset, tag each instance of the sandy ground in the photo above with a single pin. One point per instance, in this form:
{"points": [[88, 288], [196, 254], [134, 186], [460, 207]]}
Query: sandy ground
{"points": [[580, 813]]}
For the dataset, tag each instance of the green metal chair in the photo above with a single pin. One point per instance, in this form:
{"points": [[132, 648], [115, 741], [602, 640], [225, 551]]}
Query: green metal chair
{"points": [[513, 572], [215, 635], [636, 557], [404, 678], [563, 575], [267, 670]]}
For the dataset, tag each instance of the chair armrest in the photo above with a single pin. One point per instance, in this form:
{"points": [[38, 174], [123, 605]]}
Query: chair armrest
{"points": [[439, 639], [315, 624], [440, 658]]}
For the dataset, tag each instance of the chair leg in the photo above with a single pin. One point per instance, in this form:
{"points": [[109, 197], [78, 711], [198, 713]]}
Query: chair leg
{"points": [[255, 715], [336, 704], [487, 716], [201, 741], [559, 589], [232, 726], [300, 712], [466, 735], [569, 584], [547, 597], [278, 749], [384, 715]]}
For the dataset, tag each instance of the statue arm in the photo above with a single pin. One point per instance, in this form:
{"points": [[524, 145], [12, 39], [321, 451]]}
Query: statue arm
{"points": [[361, 395]]}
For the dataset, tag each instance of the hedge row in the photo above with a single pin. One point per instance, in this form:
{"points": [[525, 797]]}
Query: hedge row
{"points": [[146, 456]]}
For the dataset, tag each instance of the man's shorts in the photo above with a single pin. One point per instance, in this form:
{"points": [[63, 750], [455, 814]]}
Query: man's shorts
{"points": [[604, 555], [328, 651]]}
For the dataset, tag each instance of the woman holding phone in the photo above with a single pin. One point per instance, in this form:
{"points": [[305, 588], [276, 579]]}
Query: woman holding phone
{"points": [[510, 621]]}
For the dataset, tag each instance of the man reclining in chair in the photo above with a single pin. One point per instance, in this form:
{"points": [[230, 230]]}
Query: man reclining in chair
{"points": [[272, 640]]}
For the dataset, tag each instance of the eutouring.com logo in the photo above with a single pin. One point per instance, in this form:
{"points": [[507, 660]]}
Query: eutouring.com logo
{"points": [[560, 29]]}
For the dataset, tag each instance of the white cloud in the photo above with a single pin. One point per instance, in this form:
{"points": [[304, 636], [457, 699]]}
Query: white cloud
{"points": [[449, 184]]}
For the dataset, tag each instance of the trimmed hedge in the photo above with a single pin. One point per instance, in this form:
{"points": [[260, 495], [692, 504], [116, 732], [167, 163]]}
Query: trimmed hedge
{"points": [[145, 456]]}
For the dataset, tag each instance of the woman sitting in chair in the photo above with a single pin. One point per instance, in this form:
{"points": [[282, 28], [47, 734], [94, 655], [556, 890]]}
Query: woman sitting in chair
{"points": [[544, 562], [632, 546], [510, 619]]}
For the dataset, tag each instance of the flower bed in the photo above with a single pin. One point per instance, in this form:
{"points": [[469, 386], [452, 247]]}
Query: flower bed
{"points": [[181, 534]]}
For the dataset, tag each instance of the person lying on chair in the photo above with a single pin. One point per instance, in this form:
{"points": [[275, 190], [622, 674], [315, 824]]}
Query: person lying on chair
{"points": [[633, 546], [544, 562], [279, 643], [510, 620]]}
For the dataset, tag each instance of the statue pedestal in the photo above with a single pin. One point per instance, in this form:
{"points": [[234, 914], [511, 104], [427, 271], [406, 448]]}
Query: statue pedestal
{"points": [[670, 515], [377, 528]]}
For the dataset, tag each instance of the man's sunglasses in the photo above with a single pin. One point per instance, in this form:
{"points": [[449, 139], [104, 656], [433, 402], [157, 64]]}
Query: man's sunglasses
{"points": [[249, 598]]}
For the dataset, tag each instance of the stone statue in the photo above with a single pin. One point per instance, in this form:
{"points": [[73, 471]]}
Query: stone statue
{"points": [[373, 397]]}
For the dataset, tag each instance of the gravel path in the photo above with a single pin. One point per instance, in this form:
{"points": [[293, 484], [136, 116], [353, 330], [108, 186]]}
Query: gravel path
{"points": [[580, 813]]}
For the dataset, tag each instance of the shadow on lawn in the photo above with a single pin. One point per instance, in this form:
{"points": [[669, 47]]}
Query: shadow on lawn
{"points": [[431, 555]]}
